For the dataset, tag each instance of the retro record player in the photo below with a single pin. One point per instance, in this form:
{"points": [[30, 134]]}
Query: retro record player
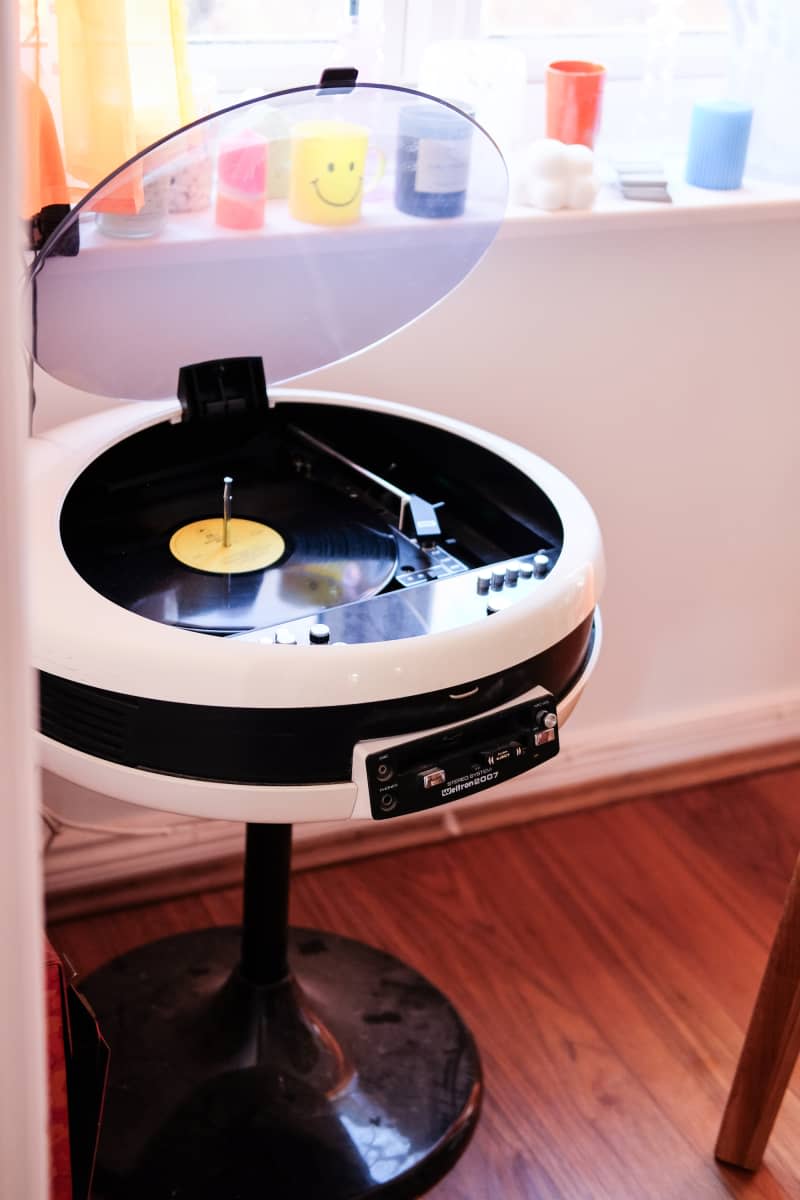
{"points": [[283, 605]]}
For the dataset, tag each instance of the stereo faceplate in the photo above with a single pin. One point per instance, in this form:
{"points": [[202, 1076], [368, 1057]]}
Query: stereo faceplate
{"points": [[402, 776]]}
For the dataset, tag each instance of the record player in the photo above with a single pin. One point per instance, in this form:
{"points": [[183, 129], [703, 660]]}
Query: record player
{"points": [[272, 605]]}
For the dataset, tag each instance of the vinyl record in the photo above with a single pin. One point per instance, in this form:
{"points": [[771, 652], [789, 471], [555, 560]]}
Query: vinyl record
{"points": [[335, 551]]}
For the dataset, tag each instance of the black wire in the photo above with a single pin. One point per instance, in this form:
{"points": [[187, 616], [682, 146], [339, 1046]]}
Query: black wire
{"points": [[33, 353]]}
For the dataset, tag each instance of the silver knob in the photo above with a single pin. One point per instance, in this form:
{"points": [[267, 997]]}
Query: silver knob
{"points": [[285, 637], [512, 573], [319, 634], [541, 564], [484, 582], [525, 570], [498, 579], [550, 720]]}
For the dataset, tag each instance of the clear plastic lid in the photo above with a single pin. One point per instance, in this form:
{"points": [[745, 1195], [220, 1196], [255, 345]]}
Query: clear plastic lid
{"points": [[300, 228]]}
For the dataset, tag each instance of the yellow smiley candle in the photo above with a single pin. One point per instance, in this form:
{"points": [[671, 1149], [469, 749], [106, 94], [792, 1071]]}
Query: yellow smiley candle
{"points": [[326, 174]]}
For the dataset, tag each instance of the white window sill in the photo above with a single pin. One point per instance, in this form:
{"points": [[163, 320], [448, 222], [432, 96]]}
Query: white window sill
{"points": [[196, 236], [755, 201]]}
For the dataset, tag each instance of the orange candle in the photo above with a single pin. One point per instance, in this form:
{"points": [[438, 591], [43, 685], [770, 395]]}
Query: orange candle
{"points": [[574, 96], [242, 181]]}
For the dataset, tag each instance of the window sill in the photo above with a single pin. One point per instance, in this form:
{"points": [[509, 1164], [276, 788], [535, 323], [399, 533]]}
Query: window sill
{"points": [[195, 236], [756, 201]]}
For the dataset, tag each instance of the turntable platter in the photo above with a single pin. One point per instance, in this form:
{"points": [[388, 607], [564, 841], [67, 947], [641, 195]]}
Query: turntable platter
{"points": [[323, 549]]}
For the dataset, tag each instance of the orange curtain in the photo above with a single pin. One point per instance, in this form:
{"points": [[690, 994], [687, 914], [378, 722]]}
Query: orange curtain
{"points": [[42, 175], [96, 99], [123, 83], [43, 178]]}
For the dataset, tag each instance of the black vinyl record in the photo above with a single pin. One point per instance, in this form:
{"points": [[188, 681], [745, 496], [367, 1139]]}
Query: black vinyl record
{"points": [[336, 551]]}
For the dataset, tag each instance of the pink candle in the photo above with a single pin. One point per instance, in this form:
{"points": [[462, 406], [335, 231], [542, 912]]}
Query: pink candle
{"points": [[242, 181]]}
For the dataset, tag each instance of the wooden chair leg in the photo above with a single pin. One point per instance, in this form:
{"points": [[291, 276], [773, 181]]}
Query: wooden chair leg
{"points": [[770, 1048]]}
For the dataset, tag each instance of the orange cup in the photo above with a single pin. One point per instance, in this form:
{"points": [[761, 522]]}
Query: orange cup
{"points": [[574, 101]]}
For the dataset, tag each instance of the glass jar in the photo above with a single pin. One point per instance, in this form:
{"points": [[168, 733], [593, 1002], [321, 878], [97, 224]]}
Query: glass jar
{"points": [[148, 220]]}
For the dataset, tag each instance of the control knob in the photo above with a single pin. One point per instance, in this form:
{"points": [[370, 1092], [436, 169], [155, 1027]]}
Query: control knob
{"points": [[512, 572], [541, 564]]}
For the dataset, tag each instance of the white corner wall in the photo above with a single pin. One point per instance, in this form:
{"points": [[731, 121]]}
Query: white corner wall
{"points": [[657, 367], [23, 1120]]}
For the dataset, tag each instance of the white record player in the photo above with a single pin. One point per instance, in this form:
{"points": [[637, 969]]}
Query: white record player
{"points": [[280, 605]]}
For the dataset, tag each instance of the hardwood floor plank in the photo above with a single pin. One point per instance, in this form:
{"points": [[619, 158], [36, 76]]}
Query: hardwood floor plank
{"points": [[657, 1013], [748, 836], [606, 961], [613, 1064]]}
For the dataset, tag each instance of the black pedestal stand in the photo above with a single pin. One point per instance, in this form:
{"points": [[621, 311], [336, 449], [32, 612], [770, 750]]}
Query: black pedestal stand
{"points": [[275, 1064]]}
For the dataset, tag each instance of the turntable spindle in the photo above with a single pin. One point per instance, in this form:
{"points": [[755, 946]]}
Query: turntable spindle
{"points": [[227, 497]]}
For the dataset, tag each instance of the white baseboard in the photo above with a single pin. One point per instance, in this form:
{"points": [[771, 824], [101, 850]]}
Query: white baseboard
{"points": [[597, 765]]}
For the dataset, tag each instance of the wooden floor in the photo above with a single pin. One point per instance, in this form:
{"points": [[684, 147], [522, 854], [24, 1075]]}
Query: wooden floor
{"points": [[606, 961]]}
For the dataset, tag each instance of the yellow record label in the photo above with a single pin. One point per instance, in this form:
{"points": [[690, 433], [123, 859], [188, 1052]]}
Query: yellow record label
{"points": [[253, 546]]}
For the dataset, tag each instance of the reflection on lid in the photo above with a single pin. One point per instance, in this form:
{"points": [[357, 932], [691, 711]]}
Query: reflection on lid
{"points": [[299, 228]]}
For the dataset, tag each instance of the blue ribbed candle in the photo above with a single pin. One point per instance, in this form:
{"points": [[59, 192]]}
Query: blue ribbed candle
{"points": [[718, 144], [433, 155]]}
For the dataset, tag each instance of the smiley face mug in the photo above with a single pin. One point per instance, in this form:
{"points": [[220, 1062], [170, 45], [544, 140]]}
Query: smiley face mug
{"points": [[326, 174]]}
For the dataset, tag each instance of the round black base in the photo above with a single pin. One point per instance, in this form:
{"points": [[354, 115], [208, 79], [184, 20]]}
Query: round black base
{"points": [[355, 1077]]}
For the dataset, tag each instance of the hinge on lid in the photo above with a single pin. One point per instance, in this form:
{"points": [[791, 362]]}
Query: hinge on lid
{"points": [[43, 225], [338, 79], [222, 388]]}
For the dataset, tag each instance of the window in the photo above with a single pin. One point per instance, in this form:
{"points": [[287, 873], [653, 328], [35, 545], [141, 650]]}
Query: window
{"points": [[623, 34], [241, 47], [264, 19], [272, 44], [509, 17], [277, 43]]}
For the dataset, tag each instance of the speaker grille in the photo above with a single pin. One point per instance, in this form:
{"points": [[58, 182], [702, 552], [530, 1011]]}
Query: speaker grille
{"points": [[86, 718]]}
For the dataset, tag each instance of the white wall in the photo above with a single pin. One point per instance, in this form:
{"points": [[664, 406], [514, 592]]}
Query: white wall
{"points": [[657, 368], [23, 1158]]}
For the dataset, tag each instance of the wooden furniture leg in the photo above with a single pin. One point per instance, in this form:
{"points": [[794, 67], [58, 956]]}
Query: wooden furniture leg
{"points": [[770, 1048]]}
